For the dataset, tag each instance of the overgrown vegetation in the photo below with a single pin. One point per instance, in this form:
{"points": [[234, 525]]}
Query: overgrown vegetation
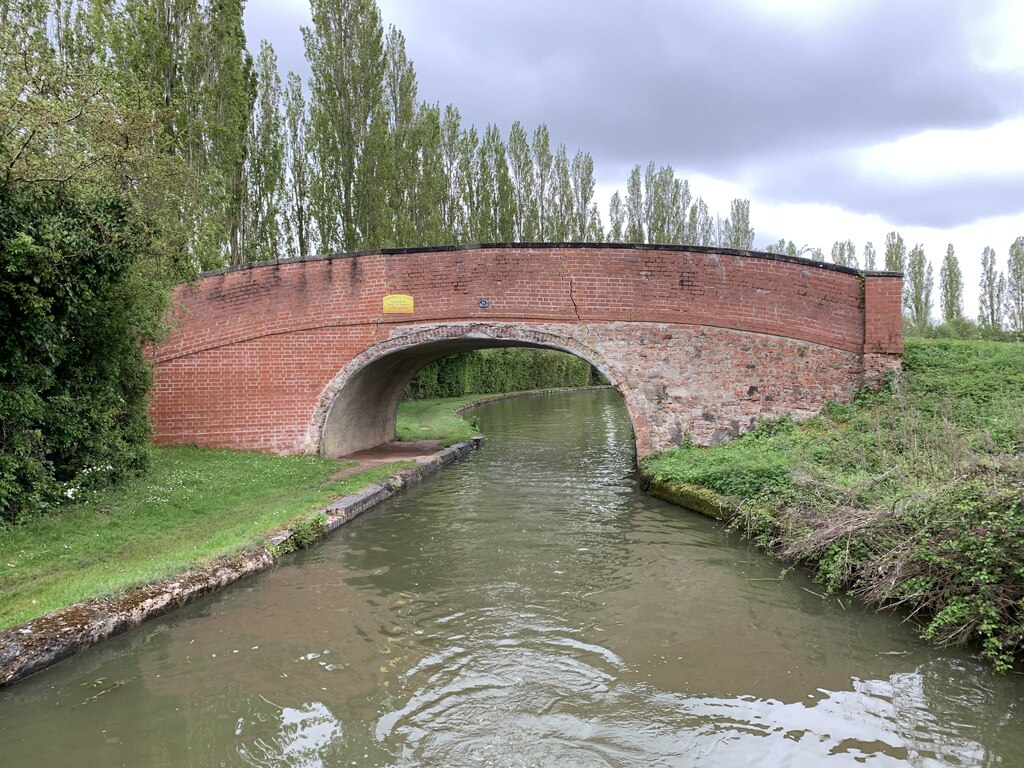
{"points": [[485, 371], [912, 497]]}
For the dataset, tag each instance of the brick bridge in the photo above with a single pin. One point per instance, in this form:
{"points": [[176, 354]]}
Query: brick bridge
{"points": [[298, 355]]}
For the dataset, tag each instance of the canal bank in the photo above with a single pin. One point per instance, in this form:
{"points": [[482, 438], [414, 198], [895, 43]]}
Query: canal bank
{"points": [[909, 498], [40, 643]]}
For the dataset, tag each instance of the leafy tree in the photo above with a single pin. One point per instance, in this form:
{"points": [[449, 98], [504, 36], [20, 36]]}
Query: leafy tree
{"points": [[560, 206], [992, 293], [869, 256], [917, 294], [844, 254], [700, 228], [1015, 286], [345, 49], [298, 220], [520, 163], [895, 253], [736, 229], [634, 208], [617, 218], [543, 162], [453, 214], [783, 247], [951, 287], [263, 234], [583, 226]]}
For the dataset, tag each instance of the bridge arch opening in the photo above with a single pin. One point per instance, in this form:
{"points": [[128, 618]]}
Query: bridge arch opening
{"points": [[358, 409]]}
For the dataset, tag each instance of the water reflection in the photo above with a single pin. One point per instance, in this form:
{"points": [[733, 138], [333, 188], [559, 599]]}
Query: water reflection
{"points": [[527, 607]]}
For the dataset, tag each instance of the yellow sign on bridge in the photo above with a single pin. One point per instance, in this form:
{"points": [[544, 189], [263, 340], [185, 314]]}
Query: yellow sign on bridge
{"points": [[398, 304]]}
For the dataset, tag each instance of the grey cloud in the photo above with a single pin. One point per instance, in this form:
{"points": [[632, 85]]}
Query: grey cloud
{"points": [[947, 202], [702, 88]]}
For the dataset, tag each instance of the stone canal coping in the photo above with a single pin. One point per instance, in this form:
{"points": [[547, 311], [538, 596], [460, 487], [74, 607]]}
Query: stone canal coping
{"points": [[40, 643]]}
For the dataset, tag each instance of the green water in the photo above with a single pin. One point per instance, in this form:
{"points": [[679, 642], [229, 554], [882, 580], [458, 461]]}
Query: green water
{"points": [[528, 607]]}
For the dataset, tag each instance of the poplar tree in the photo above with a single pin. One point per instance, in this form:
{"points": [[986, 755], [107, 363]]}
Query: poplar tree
{"points": [[992, 293], [542, 169], [616, 218], [1015, 286], [583, 213], [869, 256], [895, 253], [559, 207], [500, 195], [917, 296], [453, 215], [783, 247], [298, 219], [345, 50], [951, 287], [700, 226], [263, 233], [634, 232], [402, 160], [426, 199], [736, 230], [227, 99], [520, 163]]}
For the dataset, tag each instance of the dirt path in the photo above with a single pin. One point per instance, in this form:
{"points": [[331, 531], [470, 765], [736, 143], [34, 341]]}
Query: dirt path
{"points": [[385, 454]]}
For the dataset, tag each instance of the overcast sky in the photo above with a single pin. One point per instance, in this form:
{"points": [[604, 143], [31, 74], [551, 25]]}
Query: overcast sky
{"points": [[836, 118]]}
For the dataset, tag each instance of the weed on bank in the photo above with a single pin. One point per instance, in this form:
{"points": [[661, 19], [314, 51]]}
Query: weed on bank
{"points": [[910, 497]]}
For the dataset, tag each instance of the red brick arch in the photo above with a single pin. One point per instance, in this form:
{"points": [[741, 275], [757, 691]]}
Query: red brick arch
{"points": [[297, 355]]}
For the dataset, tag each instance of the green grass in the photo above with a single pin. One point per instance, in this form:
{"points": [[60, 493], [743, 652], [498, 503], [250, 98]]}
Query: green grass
{"points": [[192, 506], [912, 496], [436, 420]]}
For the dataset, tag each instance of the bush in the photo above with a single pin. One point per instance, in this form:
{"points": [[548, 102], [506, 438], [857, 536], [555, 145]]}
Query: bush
{"points": [[75, 312]]}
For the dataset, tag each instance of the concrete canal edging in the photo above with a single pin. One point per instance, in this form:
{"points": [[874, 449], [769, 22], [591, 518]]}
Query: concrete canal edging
{"points": [[40, 643]]}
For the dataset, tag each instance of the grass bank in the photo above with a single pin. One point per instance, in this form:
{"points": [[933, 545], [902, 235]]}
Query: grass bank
{"points": [[193, 506], [911, 497]]}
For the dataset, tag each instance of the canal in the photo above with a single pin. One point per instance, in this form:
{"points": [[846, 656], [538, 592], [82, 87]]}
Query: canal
{"points": [[527, 607]]}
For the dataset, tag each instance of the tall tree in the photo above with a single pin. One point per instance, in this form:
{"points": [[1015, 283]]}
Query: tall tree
{"points": [[345, 49], [736, 230], [700, 227], [582, 173], [634, 208], [917, 296], [426, 200], [297, 215], [263, 211], [559, 208], [543, 162], [1015, 286], [869, 256], [500, 195], [895, 253], [453, 214], [520, 164], [616, 219], [227, 98], [951, 287], [993, 288], [402, 162]]}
